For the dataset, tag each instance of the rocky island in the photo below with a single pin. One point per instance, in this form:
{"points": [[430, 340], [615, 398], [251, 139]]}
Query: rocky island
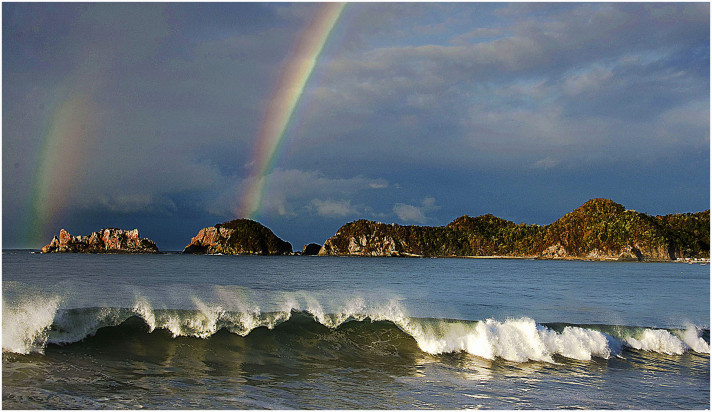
{"points": [[109, 240], [312, 249], [238, 237], [600, 229]]}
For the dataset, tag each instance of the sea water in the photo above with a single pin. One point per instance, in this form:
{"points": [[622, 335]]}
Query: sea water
{"points": [[213, 332]]}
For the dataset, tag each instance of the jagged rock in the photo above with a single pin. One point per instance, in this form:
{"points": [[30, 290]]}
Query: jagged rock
{"points": [[311, 249], [364, 238], [556, 252], [111, 240], [238, 237]]}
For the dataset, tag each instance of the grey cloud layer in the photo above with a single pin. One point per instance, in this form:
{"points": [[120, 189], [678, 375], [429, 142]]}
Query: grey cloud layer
{"points": [[568, 83], [401, 91]]}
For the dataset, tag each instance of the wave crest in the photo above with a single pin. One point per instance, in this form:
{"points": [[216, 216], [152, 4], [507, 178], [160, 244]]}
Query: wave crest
{"points": [[667, 342], [31, 324], [26, 324], [517, 340]]}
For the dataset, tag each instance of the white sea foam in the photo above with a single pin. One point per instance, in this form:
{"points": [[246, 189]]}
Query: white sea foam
{"points": [[691, 337], [202, 322], [657, 340], [350, 308], [354, 308], [145, 311], [517, 340], [315, 309], [582, 344], [25, 325], [240, 314], [241, 323], [206, 319]]}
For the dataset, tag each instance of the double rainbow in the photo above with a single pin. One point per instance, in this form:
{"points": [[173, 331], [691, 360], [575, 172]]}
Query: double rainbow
{"points": [[69, 133]]}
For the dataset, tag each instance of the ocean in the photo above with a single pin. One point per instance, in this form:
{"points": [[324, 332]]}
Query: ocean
{"points": [[176, 331]]}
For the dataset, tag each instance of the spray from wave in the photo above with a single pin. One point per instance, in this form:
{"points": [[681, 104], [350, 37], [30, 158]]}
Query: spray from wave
{"points": [[25, 325], [517, 340], [30, 325], [667, 342]]}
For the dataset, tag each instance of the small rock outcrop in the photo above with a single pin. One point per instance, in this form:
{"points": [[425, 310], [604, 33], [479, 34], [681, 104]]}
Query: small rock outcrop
{"points": [[311, 249], [109, 240], [238, 237]]}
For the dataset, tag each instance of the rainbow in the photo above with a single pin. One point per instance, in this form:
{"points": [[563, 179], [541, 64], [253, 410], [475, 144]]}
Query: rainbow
{"points": [[59, 169], [282, 104]]}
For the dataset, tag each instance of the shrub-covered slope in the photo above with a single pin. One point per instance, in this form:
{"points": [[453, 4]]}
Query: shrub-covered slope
{"points": [[599, 229], [238, 237]]}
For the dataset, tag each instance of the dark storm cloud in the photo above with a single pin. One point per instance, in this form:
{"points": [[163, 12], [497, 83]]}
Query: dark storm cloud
{"points": [[415, 113]]}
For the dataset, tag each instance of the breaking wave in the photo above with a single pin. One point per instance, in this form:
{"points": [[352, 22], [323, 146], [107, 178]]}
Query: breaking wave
{"points": [[30, 325], [26, 324]]}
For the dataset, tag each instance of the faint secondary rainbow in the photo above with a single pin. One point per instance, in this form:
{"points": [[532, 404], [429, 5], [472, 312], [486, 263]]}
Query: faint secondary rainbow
{"points": [[282, 104], [60, 164]]}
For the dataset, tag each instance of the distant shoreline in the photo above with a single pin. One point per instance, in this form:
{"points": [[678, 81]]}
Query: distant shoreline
{"points": [[691, 261]]}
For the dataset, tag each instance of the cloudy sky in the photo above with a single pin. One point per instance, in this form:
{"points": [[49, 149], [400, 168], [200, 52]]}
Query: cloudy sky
{"points": [[148, 115]]}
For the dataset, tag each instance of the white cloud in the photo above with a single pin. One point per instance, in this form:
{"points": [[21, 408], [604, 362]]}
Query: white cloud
{"points": [[429, 203], [378, 184], [409, 213], [333, 208], [588, 81], [546, 163], [289, 192]]}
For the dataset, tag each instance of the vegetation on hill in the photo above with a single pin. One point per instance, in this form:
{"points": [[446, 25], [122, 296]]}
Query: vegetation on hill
{"points": [[251, 235], [688, 233], [604, 227], [599, 229], [238, 237]]}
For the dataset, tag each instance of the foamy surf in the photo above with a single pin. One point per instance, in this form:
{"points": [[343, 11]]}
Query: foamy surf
{"points": [[25, 325], [29, 327], [669, 343], [517, 340]]}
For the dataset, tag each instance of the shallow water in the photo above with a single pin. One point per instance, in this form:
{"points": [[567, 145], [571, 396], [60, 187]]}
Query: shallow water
{"points": [[215, 332]]}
